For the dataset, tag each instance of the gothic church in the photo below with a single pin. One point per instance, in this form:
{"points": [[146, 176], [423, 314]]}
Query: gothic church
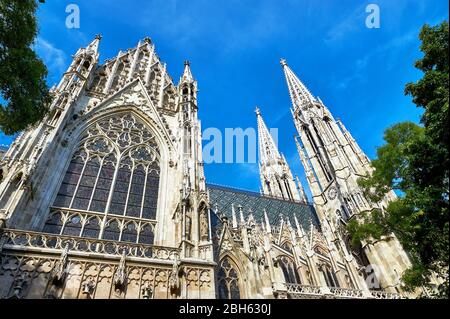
{"points": [[107, 198]]}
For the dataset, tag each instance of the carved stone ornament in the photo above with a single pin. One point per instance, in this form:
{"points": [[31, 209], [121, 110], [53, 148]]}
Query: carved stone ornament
{"points": [[332, 193], [120, 277], [147, 292], [59, 271], [18, 287], [88, 287], [204, 229], [174, 280]]}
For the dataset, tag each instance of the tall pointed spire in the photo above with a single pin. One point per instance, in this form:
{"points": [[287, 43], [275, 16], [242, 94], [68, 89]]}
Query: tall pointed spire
{"points": [[276, 176], [92, 48], [333, 163], [267, 222], [187, 73], [298, 91], [234, 222], [268, 151], [301, 190]]}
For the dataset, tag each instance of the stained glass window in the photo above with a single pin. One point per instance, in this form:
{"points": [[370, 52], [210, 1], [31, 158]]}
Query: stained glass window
{"points": [[73, 226], [291, 275], [329, 275], [114, 172], [92, 228], [54, 223], [228, 281]]}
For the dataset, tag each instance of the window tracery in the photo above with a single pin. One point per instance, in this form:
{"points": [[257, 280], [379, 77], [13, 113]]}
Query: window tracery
{"points": [[112, 182], [228, 280], [290, 273]]}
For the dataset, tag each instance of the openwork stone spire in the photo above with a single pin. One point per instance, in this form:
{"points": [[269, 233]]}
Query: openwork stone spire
{"points": [[298, 91], [268, 152], [333, 163], [187, 73], [276, 176], [93, 46]]}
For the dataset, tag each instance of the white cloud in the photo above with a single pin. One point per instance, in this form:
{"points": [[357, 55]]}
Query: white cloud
{"points": [[54, 58], [350, 24]]}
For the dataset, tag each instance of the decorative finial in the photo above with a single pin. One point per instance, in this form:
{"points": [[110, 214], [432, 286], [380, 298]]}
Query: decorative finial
{"points": [[283, 62], [98, 36], [187, 63], [257, 111], [147, 40]]}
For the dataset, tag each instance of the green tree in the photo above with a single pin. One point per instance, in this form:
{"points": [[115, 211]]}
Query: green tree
{"points": [[22, 74], [414, 161]]}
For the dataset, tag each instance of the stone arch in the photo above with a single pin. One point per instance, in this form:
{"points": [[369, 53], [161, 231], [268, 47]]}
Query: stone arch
{"points": [[137, 152], [287, 246], [321, 250], [288, 266], [328, 274], [229, 279]]}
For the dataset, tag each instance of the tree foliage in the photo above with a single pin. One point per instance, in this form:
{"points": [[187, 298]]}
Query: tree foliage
{"points": [[22, 73], [414, 161]]}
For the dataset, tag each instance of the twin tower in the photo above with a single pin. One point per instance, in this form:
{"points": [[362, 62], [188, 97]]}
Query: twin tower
{"points": [[333, 162]]}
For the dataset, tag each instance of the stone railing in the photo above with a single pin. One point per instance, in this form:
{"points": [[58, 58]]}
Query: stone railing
{"points": [[347, 293], [19, 240], [384, 295], [296, 291]]}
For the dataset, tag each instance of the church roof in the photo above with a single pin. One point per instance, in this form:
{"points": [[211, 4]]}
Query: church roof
{"points": [[223, 197]]}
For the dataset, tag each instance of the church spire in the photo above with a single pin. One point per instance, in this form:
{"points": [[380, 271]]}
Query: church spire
{"points": [[93, 46], [276, 176], [268, 151], [333, 163], [187, 73], [298, 91]]}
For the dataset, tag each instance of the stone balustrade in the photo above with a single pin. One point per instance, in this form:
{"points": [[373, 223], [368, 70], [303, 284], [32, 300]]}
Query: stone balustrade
{"points": [[296, 291], [20, 240]]}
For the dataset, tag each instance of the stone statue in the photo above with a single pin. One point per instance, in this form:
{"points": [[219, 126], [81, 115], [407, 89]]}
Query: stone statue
{"points": [[120, 277], [59, 271], [174, 280], [204, 225], [188, 227]]}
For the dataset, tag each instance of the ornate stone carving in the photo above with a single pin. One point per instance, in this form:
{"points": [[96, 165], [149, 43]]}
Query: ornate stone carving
{"points": [[59, 271], [120, 276], [147, 291], [204, 225], [332, 193], [88, 287], [174, 279], [18, 287]]}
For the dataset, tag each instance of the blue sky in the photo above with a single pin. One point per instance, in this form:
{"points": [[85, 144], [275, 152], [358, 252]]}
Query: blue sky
{"points": [[235, 46]]}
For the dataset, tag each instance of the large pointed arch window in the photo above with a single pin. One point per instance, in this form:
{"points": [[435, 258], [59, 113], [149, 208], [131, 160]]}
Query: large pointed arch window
{"points": [[291, 275], [110, 188], [329, 275], [228, 280]]}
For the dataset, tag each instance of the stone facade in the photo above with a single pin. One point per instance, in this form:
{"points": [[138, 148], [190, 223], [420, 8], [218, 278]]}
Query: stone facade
{"points": [[107, 198]]}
